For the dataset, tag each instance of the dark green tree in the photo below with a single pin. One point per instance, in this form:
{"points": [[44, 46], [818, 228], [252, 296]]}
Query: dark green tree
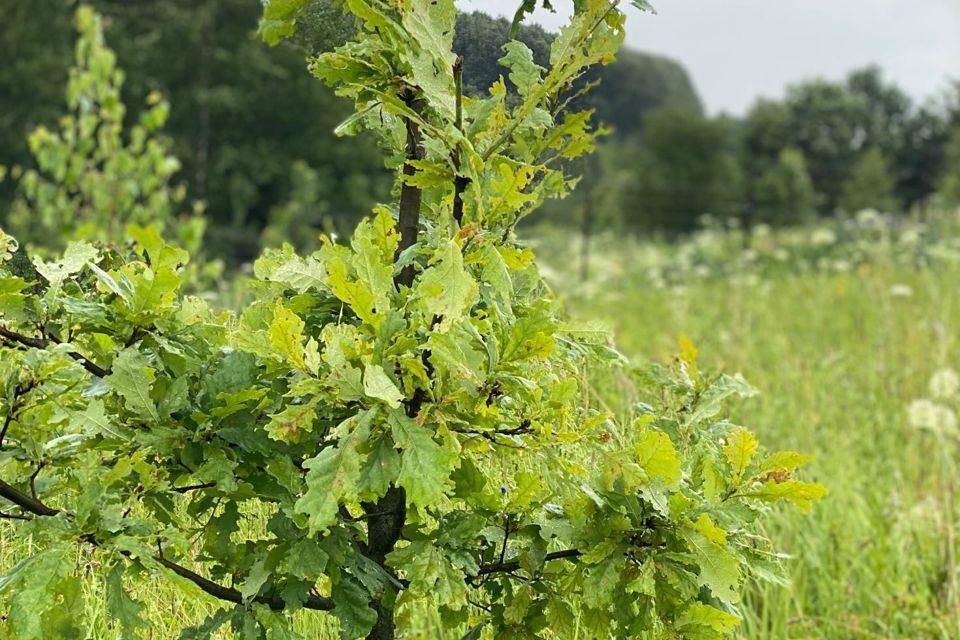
{"points": [[950, 182], [683, 166], [870, 185], [784, 194]]}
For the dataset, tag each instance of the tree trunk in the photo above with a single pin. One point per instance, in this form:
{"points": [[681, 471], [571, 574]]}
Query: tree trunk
{"points": [[386, 517]]}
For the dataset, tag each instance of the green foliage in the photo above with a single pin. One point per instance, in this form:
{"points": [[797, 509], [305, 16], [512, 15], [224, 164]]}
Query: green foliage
{"points": [[870, 185], [300, 219], [392, 426], [93, 178], [950, 183], [685, 168], [784, 193]]}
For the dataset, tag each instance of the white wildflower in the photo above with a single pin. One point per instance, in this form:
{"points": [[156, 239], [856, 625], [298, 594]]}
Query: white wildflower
{"points": [[947, 419], [923, 414], [868, 217], [926, 414], [762, 230], [822, 237], [901, 291], [944, 384]]}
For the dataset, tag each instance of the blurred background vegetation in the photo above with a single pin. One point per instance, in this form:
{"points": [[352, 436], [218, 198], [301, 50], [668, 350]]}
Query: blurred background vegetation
{"points": [[254, 132]]}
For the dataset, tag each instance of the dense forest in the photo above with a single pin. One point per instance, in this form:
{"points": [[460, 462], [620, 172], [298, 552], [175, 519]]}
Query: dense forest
{"points": [[251, 128]]}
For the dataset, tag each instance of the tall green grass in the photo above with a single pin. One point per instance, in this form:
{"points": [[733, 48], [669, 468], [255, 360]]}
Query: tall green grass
{"points": [[837, 357]]}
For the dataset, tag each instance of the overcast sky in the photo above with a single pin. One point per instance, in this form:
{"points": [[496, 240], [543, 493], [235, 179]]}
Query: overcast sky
{"points": [[738, 50]]}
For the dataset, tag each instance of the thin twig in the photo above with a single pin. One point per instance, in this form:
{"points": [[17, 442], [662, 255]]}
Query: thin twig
{"points": [[509, 567]]}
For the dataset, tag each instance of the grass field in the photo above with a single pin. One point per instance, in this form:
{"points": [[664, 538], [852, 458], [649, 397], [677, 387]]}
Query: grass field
{"points": [[838, 356]]}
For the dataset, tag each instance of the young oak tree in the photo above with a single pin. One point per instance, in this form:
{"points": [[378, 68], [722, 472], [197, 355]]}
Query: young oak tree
{"points": [[394, 427]]}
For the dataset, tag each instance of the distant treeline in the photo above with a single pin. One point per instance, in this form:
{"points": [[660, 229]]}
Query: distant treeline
{"points": [[254, 132]]}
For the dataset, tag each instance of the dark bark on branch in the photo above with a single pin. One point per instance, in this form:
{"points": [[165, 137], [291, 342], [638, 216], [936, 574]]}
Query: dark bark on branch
{"points": [[194, 487], [25, 502], [508, 567], [32, 505], [459, 182], [410, 196], [43, 343], [317, 603]]}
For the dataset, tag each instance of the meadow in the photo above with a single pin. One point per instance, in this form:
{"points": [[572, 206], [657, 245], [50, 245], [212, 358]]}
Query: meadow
{"points": [[841, 327]]}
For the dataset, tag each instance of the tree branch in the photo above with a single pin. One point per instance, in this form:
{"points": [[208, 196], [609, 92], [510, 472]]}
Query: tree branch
{"points": [[315, 602], [194, 487], [507, 567], [459, 182], [410, 196], [44, 342]]}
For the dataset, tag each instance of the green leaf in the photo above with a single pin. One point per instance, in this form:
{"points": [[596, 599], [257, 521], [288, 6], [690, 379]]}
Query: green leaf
{"points": [[381, 468], [286, 267], [601, 582], [525, 74], [33, 587], [258, 576], [132, 378], [698, 618], [333, 475], [425, 466], [94, 421], [719, 569], [77, 255], [377, 384], [280, 19], [353, 609], [446, 290], [122, 608], [431, 573], [206, 629], [341, 346]]}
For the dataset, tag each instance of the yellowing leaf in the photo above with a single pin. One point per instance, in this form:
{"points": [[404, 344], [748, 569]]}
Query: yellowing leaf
{"points": [[704, 524], [740, 447], [289, 424], [802, 494], [784, 461], [286, 335], [658, 457]]}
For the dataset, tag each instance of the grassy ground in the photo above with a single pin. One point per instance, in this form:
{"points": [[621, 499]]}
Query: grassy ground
{"points": [[838, 357]]}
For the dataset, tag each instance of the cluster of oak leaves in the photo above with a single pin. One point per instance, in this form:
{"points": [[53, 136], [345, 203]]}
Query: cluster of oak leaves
{"points": [[162, 436]]}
